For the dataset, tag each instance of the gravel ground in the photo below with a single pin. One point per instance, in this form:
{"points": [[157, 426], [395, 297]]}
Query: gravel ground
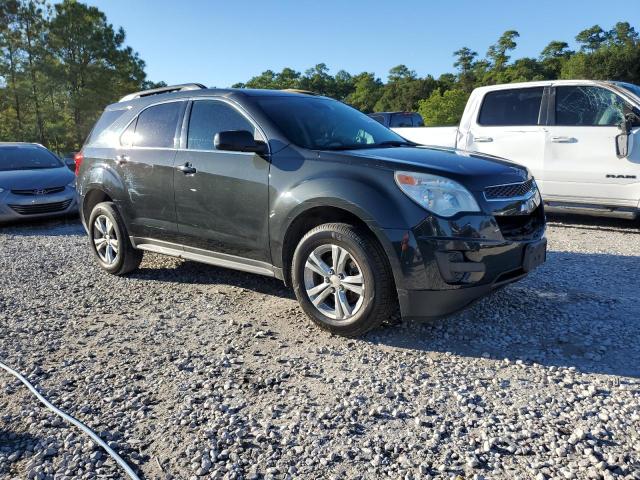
{"points": [[192, 371]]}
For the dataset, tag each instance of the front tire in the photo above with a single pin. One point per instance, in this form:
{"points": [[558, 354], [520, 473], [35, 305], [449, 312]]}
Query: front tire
{"points": [[110, 242], [342, 279]]}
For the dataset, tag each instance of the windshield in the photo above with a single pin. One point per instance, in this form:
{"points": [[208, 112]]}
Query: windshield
{"points": [[325, 124], [26, 157], [635, 89]]}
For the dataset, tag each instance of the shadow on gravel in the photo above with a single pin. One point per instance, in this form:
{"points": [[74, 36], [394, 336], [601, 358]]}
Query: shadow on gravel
{"points": [[578, 310], [56, 227], [583, 222], [15, 441], [203, 274]]}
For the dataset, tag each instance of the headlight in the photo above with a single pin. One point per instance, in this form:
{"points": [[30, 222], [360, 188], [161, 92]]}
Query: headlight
{"points": [[439, 195], [72, 184]]}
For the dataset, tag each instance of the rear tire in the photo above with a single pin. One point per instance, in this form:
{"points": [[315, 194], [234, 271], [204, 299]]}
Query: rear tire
{"points": [[109, 240], [342, 279]]}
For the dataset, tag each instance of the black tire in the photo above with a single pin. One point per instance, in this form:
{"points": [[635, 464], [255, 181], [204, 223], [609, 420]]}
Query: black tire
{"points": [[379, 298], [127, 257]]}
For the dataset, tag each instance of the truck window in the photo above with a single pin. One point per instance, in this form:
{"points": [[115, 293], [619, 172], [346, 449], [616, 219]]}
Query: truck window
{"points": [[588, 106], [514, 107], [156, 126], [400, 120], [209, 117]]}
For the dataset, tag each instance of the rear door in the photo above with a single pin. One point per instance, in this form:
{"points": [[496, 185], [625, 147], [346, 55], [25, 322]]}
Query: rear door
{"points": [[222, 202], [580, 153], [145, 163], [509, 125]]}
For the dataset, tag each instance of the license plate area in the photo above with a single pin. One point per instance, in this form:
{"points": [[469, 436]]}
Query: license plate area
{"points": [[535, 254]]}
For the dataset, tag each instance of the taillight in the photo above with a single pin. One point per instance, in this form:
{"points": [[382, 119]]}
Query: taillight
{"points": [[78, 157]]}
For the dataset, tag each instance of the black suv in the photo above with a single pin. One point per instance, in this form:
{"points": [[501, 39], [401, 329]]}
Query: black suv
{"points": [[308, 190]]}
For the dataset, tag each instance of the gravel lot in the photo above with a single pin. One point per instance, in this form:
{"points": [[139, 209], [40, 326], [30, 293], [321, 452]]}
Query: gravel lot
{"points": [[192, 371]]}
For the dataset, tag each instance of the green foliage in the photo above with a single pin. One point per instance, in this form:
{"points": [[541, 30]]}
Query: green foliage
{"points": [[59, 67], [443, 108]]}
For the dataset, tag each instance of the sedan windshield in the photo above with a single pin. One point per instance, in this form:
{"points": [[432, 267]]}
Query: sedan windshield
{"points": [[26, 157], [325, 124]]}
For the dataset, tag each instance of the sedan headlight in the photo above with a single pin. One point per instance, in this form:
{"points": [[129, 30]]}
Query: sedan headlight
{"points": [[439, 195]]}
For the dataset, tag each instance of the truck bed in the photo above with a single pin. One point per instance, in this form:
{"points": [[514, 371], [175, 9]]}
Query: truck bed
{"points": [[438, 136]]}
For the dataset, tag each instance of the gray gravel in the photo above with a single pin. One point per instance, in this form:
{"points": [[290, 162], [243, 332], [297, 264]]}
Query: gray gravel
{"points": [[196, 372]]}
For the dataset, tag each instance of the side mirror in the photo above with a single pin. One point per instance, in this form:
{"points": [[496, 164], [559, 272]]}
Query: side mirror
{"points": [[238, 141], [622, 145]]}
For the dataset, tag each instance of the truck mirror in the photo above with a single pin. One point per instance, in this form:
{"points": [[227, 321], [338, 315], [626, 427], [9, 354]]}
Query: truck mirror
{"points": [[622, 145]]}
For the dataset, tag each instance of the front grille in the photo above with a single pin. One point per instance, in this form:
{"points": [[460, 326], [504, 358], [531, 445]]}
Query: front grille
{"points": [[521, 227], [499, 192], [39, 208], [42, 191]]}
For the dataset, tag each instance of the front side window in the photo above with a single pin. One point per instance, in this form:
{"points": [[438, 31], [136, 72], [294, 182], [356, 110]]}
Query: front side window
{"points": [[156, 126], [26, 157], [211, 117], [514, 107], [585, 106], [324, 124]]}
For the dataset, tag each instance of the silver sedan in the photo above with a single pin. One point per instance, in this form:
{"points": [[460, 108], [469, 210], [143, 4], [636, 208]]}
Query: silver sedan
{"points": [[34, 183]]}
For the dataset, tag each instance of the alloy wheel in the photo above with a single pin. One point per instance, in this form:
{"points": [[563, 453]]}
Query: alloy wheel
{"points": [[333, 281], [105, 239]]}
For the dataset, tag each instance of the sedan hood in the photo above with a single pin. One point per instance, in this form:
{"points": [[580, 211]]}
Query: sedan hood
{"points": [[474, 170], [40, 178]]}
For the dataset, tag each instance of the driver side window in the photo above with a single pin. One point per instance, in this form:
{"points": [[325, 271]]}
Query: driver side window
{"points": [[588, 106], [209, 117]]}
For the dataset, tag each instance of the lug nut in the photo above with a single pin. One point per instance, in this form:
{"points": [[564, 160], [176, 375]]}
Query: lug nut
{"points": [[327, 279]]}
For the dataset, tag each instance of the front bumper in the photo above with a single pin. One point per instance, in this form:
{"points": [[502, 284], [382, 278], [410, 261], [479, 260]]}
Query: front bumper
{"points": [[15, 207], [442, 265]]}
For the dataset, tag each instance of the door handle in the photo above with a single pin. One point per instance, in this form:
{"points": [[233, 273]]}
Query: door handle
{"points": [[563, 140], [187, 169], [120, 159], [483, 139]]}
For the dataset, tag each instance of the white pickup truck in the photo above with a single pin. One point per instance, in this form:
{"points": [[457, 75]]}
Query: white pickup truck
{"points": [[580, 139]]}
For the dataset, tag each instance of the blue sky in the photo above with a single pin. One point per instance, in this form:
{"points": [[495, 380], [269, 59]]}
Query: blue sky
{"points": [[222, 42]]}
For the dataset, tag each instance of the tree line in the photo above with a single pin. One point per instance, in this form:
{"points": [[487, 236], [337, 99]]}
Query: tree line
{"points": [[61, 64], [601, 55]]}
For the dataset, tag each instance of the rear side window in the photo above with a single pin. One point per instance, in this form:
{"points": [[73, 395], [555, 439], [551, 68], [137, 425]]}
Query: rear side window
{"points": [[417, 120], [519, 107], [399, 120], [211, 117], [107, 119], [378, 118], [588, 106], [156, 126]]}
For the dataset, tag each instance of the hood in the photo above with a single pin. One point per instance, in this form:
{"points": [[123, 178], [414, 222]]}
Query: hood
{"points": [[474, 170], [39, 178]]}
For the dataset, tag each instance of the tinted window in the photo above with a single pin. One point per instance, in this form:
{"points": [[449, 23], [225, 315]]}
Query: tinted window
{"points": [[126, 139], [588, 106], [399, 120], [417, 120], [27, 157], [378, 118], [511, 107], [156, 125], [324, 124], [105, 121], [210, 117]]}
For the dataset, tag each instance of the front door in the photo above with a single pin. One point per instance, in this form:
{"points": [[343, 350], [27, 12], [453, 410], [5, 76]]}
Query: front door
{"points": [[581, 164], [509, 126], [221, 197], [145, 164]]}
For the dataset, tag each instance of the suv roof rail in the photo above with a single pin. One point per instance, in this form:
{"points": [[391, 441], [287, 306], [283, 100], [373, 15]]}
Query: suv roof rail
{"points": [[157, 91]]}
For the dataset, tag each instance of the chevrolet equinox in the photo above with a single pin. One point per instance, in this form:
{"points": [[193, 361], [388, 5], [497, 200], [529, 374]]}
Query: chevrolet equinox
{"points": [[308, 190]]}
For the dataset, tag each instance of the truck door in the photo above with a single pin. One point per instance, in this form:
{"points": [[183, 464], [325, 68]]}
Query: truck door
{"points": [[580, 162], [509, 124]]}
